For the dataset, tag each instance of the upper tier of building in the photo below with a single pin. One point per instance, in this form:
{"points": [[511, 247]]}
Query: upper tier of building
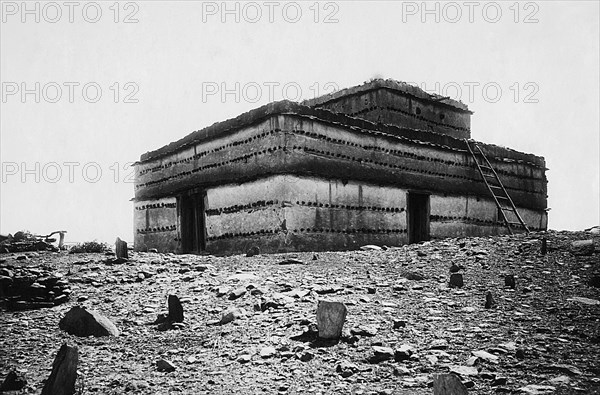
{"points": [[400, 104]]}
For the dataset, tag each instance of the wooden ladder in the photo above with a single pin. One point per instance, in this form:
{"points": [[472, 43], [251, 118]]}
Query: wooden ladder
{"points": [[502, 198]]}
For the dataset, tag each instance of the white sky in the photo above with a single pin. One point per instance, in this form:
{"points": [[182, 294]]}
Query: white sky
{"points": [[179, 50]]}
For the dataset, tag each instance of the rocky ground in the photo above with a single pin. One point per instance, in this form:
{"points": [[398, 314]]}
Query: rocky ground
{"points": [[404, 323]]}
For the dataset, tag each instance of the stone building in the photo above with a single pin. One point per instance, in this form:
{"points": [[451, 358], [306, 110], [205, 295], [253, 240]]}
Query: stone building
{"points": [[383, 163]]}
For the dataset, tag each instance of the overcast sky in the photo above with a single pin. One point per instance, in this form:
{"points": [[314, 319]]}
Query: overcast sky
{"points": [[90, 86]]}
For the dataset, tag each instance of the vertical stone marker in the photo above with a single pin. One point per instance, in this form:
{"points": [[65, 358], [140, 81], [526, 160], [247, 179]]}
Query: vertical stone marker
{"points": [[64, 372], [175, 309], [121, 248], [448, 384], [509, 281], [330, 319], [456, 280]]}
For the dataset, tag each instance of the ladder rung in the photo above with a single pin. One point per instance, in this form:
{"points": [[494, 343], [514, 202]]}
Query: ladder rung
{"points": [[486, 167], [495, 186], [502, 197], [515, 224], [507, 209]]}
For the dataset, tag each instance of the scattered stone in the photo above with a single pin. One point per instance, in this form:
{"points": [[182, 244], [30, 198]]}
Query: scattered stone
{"points": [[81, 322], [534, 389], [489, 300], [399, 324], [403, 353], [486, 356], [306, 356], [252, 251], [560, 380], [464, 371], [330, 319], [244, 358], [121, 249], [164, 365], [243, 277], [588, 301], [229, 316], [237, 293], [64, 372], [582, 247], [413, 276], [364, 330], [439, 344], [448, 384], [291, 261], [14, 381], [455, 268], [381, 354], [346, 369], [509, 281], [572, 370], [456, 280], [267, 352], [370, 247]]}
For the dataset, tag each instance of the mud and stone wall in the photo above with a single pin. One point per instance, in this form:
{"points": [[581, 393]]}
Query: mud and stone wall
{"points": [[156, 224], [290, 213]]}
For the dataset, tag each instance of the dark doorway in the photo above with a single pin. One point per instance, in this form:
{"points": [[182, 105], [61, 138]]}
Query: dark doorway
{"points": [[418, 217], [193, 229]]}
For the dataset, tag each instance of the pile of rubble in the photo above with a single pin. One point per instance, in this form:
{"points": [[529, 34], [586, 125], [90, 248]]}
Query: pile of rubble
{"points": [[32, 288], [25, 241]]}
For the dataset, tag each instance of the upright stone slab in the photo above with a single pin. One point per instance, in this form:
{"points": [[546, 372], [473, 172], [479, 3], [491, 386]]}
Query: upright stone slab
{"points": [[175, 309], [121, 248], [456, 280], [448, 384], [330, 319], [64, 372], [509, 281]]}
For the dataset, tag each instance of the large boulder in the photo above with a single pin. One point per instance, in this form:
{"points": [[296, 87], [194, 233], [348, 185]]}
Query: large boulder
{"points": [[81, 322]]}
